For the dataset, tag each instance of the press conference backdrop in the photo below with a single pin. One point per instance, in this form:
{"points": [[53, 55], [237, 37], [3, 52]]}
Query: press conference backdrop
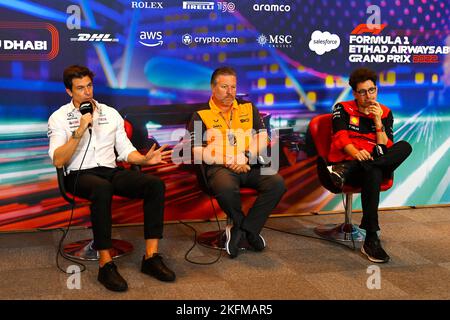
{"points": [[153, 60]]}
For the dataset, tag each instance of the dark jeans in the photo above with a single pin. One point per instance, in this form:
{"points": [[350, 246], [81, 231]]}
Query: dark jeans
{"points": [[100, 184], [226, 184], [370, 174]]}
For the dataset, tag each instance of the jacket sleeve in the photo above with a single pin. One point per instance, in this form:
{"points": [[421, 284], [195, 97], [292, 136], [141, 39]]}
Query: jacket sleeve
{"points": [[340, 125], [388, 123], [258, 123], [196, 129]]}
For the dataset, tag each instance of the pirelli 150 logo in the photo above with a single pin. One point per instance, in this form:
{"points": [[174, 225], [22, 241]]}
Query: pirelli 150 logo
{"points": [[28, 41]]}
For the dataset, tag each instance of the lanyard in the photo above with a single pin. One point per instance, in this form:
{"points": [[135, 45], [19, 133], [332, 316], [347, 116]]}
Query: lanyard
{"points": [[231, 137], [228, 123]]}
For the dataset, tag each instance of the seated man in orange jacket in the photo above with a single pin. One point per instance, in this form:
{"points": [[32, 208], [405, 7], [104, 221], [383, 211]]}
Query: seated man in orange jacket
{"points": [[363, 153]]}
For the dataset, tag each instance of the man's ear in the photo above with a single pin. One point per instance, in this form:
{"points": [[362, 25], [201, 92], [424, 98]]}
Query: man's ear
{"points": [[69, 92]]}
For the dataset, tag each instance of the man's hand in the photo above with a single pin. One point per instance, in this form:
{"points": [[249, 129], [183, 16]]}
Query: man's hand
{"points": [[238, 168], [362, 155], [376, 111], [85, 120], [157, 156], [239, 159]]}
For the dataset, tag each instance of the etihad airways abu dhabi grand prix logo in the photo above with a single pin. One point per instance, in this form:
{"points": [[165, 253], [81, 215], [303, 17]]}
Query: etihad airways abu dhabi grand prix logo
{"points": [[28, 41]]}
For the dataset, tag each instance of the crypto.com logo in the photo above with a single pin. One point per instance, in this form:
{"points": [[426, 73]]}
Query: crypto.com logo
{"points": [[29, 41], [187, 39]]}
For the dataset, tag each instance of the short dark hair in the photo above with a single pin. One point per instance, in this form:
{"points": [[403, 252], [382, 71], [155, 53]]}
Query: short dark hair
{"points": [[222, 71], [362, 75], [75, 71]]}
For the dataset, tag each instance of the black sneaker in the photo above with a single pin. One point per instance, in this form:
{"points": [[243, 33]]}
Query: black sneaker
{"points": [[110, 278], [325, 176], [256, 241], [155, 267], [374, 252], [337, 174], [379, 150], [234, 236]]}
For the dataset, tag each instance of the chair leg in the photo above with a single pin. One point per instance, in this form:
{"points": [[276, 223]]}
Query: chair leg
{"points": [[83, 249], [345, 231]]}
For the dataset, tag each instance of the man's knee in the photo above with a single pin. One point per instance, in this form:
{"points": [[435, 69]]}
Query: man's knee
{"points": [[274, 184], [278, 184], [405, 147], [103, 190], [374, 174], [154, 185], [226, 191]]}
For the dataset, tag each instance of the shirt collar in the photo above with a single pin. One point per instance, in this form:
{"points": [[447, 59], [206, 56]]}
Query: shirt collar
{"points": [[216, 109]]}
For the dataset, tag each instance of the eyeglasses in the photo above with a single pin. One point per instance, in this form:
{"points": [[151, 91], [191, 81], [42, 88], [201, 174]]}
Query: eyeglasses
{"points": [[364, 92]]}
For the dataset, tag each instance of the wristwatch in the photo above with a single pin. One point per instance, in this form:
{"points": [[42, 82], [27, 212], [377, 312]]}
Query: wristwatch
{"points": [[75, 136], [380, 129]]}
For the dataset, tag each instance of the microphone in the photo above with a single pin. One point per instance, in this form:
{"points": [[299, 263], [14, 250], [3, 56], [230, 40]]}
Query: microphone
{"points": [[86, 107]]}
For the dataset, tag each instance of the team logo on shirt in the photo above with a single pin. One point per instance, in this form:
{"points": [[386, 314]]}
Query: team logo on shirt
{"points": [[354, 120]]}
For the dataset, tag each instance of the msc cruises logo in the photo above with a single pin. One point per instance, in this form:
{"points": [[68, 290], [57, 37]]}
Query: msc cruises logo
{"points": [[275, 40]]}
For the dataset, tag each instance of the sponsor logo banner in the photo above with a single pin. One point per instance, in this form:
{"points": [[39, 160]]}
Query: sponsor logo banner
{"points": [[146, 5], [275, 40], [28, 41], [187, 39], [94, 37], [322, 42], [151, 38], [272, 7], [222, 6]]}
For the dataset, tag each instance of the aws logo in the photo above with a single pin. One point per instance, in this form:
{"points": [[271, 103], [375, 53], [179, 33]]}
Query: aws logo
{"points": [[151, 38]]}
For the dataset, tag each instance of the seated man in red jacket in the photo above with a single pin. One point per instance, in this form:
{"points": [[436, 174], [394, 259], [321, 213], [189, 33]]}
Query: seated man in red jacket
{"points": [[363, 153]]}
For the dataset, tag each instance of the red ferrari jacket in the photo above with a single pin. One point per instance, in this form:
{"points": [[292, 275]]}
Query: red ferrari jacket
{"points": [[353, 127]]}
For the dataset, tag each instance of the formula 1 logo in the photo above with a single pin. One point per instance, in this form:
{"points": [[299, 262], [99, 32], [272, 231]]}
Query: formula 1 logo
{"points": [[85, 37], [369, 28]]}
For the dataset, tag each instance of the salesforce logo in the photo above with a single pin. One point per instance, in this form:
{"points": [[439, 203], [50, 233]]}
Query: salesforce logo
{"points": [[322, 42], [272, 7]]}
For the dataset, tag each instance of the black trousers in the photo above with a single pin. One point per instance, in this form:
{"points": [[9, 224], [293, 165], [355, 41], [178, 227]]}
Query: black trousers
{"points": [[226, 184], [369, 175], [100, 184]]}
